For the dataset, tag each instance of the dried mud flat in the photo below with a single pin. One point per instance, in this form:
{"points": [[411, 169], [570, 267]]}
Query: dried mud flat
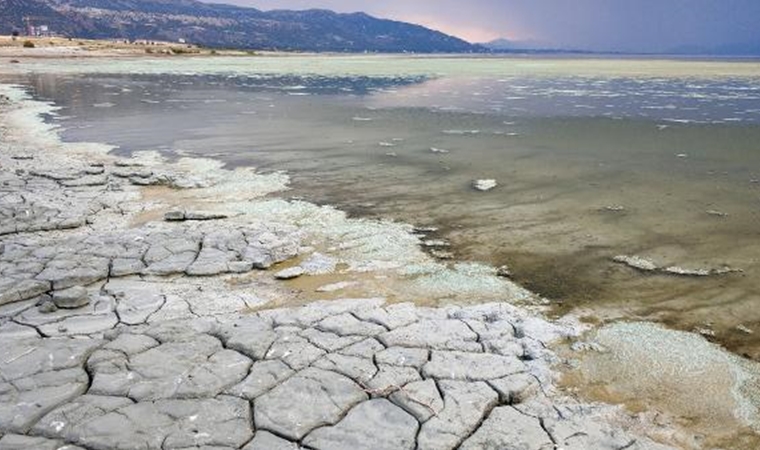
{"points": [[136, 321]]}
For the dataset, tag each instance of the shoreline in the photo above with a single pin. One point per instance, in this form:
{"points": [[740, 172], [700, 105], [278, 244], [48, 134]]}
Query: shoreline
{"points": [[199, 184], [11, 47], [128, 313]]}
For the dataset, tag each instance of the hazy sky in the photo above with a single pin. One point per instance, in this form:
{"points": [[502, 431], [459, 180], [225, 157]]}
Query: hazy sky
{"points": [[629, 25]]}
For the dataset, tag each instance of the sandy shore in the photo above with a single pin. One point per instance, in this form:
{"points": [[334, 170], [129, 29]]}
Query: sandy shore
{"points": [[187, 305]]}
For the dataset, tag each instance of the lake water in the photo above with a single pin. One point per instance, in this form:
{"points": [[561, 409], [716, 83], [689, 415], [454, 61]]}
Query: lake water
{"points": [[593, 158]]}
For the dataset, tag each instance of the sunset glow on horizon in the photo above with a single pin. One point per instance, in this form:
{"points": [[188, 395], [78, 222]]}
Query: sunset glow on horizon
{"points": [[597, 25]]}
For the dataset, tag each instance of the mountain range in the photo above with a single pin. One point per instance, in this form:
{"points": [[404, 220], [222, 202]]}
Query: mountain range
{"points": [[226, 26]]}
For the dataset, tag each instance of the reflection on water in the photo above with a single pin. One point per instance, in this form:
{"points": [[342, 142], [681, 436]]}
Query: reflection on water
{"points": [[664, 165]]}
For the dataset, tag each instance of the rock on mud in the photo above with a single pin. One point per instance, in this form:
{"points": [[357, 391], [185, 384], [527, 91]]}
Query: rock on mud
{"points": [[484, 185], [289, 274]]}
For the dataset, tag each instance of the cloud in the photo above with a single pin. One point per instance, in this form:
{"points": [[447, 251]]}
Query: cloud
{"points": [[629, 25]]}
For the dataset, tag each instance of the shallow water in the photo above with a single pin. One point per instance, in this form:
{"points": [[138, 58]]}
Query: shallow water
{"points": [[594, 158]]}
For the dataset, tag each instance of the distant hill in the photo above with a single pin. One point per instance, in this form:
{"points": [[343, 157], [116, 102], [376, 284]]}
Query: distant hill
{"points": [[215, 25], [507, 45]]}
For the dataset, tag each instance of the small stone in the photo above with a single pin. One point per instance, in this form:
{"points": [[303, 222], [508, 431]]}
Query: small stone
{"points": [[202, 215], [504, 272], [47, 306], [174, 216], [744, 329], [71, 298], [636, 262], [289, 274], [484, 185]]}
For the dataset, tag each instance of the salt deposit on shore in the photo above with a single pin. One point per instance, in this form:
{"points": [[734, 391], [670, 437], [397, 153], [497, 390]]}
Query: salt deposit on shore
{"points": [[125, 330]]}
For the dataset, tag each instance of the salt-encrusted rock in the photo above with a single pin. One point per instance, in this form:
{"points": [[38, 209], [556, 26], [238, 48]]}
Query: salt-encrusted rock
{"points": [[329, 342], [26, 357], [392, 378], [436, 334], [194, 368], [126, 266], [391, 317], [136, 301], [471, 366], [47, 306], [171, 255], [264, 440], [372, 425], [435, 243], [505, 428], [295, 351], [174, 216], [14, 290], [87, 180], [355, 367], [327, 394], [420, 399], [636, 262], [365, 348], [71, 298], [347, 324], [81, 271], [61, 422], [251, 336], [515, 389], [401, 356], [221, 422], [179, 216], [263, 376], [465, 405], [319, 264], [131, 344], [20, 442], [504, 272], [578, 432], [25, 400], [639, 263], [97, 316], [484, 185], [290, 273]]}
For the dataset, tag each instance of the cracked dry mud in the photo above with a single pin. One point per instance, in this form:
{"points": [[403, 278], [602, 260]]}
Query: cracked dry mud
{"points": [[124, 336]]}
